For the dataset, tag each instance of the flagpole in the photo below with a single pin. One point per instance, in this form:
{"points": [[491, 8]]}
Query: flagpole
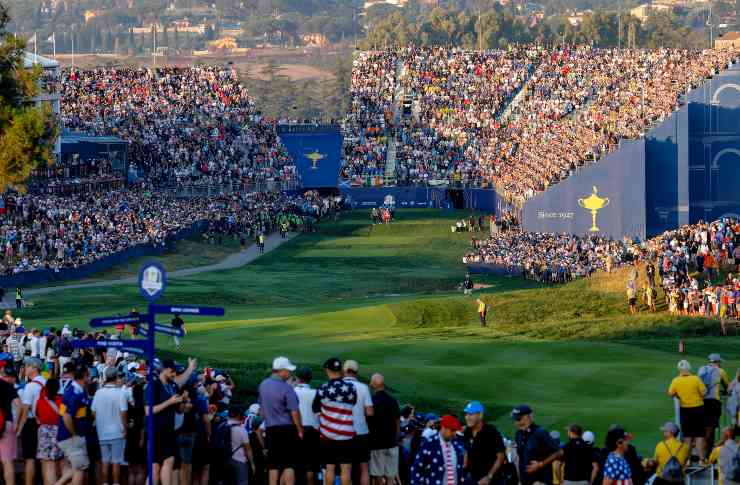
{"points": [[35, 47], [54, 43], [73, 47]]}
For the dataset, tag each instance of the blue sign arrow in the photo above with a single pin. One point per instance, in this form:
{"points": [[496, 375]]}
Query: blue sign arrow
{"points": [[188, 310], [167, 329], [113, 321], [141, 345]]}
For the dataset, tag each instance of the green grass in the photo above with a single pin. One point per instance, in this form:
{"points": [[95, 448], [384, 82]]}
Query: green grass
{"points": [[386, 296]]}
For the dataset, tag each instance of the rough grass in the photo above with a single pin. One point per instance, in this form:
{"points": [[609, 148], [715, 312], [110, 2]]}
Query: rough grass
{"points": [[386, 296]]}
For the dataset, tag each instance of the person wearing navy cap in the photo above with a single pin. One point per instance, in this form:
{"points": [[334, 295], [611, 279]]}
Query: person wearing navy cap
{"points": [[535, 447], [485, 446]]}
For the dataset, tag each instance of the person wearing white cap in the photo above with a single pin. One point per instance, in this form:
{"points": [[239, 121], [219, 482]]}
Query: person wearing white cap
{"points": [[362, 409], [283, 427], [716, 381], [690, 390]]}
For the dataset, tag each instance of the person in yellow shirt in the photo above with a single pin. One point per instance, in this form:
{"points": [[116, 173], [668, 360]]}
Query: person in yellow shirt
{"points": [[482, 311], [690, 391], [669, 448], [716, 381], [714, 460]]}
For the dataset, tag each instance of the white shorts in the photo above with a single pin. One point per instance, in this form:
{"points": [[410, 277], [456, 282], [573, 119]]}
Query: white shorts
{"points": [[384, 463]]}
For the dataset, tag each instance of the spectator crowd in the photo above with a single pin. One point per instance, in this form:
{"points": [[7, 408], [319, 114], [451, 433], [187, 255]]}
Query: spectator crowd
{"points": [[52, 232], [76, 414], [519, 119], [194, 125]]}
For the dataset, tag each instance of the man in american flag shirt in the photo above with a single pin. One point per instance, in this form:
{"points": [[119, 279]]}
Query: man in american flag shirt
{"points": [[440, 458], [334, 402]]}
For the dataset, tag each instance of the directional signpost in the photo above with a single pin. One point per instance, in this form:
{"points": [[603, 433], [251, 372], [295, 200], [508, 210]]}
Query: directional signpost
{"points": [[152, 283]]}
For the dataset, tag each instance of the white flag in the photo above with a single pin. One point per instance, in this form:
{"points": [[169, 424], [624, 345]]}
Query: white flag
{"points": [[51, 38], [32, 39]]}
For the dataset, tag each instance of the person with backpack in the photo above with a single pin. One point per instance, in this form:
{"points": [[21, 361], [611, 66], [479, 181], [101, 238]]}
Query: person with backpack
{"points": [[236, 449], [716, 381], [690, 391], [729, 458], [671, 456], [27, 425], [47, 415]]}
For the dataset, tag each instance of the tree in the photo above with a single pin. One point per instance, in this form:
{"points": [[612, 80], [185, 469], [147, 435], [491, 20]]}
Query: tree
{"points": [[27, 133]]}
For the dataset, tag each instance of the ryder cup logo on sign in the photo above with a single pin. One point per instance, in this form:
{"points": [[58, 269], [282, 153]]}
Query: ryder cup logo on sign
{"points": [[152, 280]]}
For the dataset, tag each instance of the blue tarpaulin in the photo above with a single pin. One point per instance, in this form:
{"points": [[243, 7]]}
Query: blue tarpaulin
{"points": [[317, 154]]}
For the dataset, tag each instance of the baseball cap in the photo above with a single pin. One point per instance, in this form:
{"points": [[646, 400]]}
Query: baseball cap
{"points": [[333, 364], [169, 364], [351, 365], [684, 365], [520, 411], [671, 427], [430, 417], [589, 437], [254, 409], [220, 378], [282, 363], [450, 422], [714, 358], [474, 407]]}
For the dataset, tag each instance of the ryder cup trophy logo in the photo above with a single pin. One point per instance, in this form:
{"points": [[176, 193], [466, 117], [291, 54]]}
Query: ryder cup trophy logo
{"points": [[152, 281], [594, 203], [315, 156]]}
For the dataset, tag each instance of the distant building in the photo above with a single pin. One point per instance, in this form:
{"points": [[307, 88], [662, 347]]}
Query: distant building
{"points": [[315, 39], [645, 10], [49, 85], [730, 41], [224, 43], [372, 3]]}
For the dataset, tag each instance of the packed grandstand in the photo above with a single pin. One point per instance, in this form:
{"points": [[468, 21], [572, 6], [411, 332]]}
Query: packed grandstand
{"points": [[516, 120]]}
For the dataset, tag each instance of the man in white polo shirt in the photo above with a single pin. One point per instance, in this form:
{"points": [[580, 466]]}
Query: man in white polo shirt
{"points": [[361, 410], [310, 461]]}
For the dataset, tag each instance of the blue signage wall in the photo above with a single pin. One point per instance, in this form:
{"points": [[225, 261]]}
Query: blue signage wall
{"points": [[714, 147], [685, 169], [666, 173], [617, 182], [317, 154]]}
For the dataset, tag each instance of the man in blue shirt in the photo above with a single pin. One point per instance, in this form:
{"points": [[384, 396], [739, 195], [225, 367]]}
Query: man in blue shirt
{"points": [[74, 424], [283, 426]]}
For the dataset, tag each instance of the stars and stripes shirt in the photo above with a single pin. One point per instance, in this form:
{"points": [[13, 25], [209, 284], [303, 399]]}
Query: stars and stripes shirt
{"points": [[334, 402], [617, 469]]}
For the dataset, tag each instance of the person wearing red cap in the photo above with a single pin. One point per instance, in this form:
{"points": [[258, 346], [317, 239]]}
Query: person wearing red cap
{"points": [[440, 458]]}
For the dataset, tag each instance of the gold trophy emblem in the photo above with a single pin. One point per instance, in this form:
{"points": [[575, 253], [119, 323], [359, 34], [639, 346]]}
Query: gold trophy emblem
{"points": [[315, 156], [594, 203]]}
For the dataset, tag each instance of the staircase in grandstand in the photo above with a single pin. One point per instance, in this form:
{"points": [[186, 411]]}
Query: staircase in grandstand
{"points": [[398, 96]]}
